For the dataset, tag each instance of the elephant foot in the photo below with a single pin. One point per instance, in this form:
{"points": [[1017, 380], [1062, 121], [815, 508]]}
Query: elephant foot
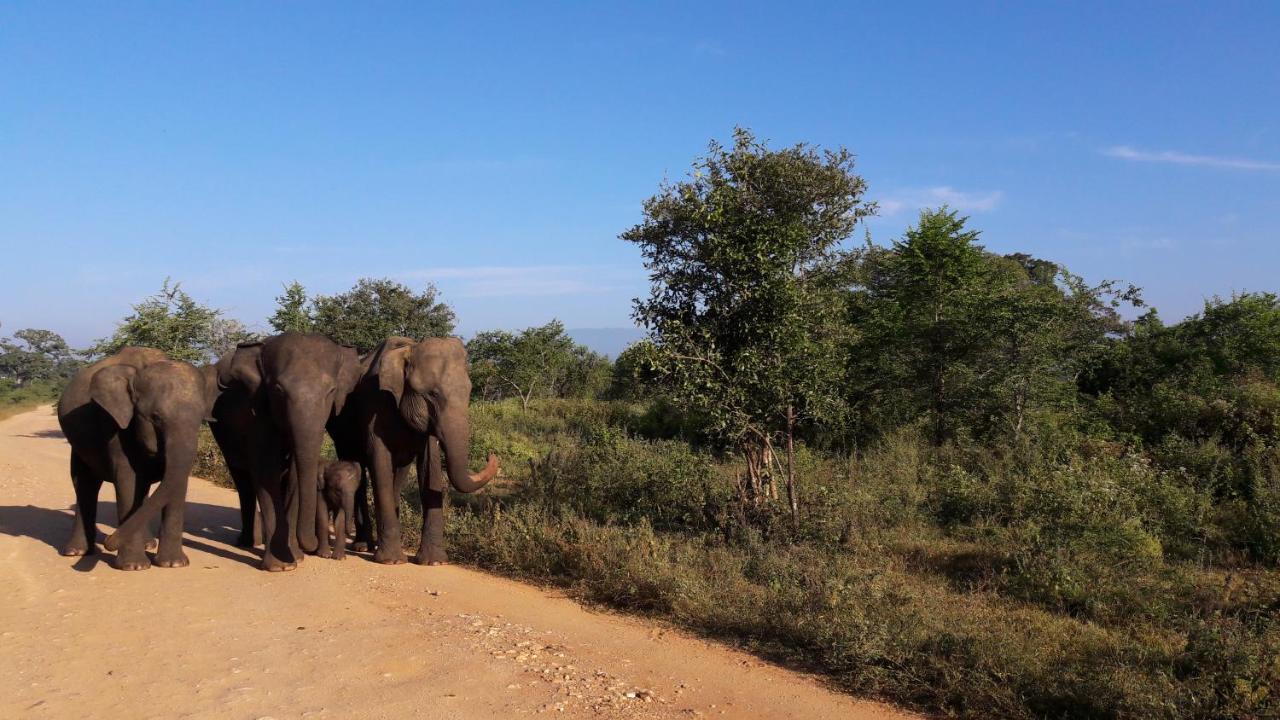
{"points": [[361, 546], [389, 556], [132, 561], [172, 559], [245, 540], [271, 563], [324, 553], [73, 549], [431, 555], [339, 555]]}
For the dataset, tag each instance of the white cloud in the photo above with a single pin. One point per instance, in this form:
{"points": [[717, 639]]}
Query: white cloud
{"points": [[940, 195], [1124, 152], [523, 280]]}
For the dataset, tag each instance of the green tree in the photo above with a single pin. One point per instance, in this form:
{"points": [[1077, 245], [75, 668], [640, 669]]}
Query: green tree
{"points": [[747, 269], [536, 362], [374, 310], [292, 314], [34, 356], [633, 376], [1203, 394], [173, 322], [965, 340]]}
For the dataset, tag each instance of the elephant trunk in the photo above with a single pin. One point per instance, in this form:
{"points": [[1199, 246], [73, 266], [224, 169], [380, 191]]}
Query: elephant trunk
{"points": [[455, 438], [306, 427]]}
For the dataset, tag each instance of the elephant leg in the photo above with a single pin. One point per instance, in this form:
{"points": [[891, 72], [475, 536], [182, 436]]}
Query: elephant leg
{"points": [[84, 533], [250, 530], [275, 541], [431, 487], [131, 490], [170, 554], [323, 548], [386, 506], [268, 478], [339, 534], [363, 518]]}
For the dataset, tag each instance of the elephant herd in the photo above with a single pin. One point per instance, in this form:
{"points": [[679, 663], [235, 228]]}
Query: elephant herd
{"points": [[133, 419]]}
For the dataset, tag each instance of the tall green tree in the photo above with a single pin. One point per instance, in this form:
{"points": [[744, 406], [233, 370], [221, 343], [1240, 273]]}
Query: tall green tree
{"points": [[748, 270], [964, 340], [173, 322], [292, 313], [376, 309]]}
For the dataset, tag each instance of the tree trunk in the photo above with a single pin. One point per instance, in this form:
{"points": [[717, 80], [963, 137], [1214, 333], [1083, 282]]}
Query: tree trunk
{"points": [[792, 497]]}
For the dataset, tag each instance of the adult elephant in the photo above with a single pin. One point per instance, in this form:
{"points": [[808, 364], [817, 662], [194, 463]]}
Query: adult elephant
{"points": [[236, 429], [132, 419], [411, 403], [275, 398]]}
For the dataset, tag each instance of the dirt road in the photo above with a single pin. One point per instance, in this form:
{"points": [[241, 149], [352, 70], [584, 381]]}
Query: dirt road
{"points": [[352, 639]]}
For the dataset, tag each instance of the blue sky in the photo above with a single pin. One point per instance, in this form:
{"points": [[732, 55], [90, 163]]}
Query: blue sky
{"points": [[498, 150]]}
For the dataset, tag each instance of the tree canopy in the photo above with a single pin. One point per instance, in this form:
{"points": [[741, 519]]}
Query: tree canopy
{"points": [[173, 322], [370, 312], [535, 362]]}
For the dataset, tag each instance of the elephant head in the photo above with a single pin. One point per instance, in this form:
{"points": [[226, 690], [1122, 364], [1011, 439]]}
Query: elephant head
{"points": [[432, 389]]}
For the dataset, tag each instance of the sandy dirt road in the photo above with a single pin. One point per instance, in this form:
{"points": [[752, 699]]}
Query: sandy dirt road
{"points": [[352, 639]]}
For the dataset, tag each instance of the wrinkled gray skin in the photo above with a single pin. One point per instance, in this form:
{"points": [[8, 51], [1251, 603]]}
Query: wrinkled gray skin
{"points": [[338, 482], [291, 385], [411, 402], [133, 420]]}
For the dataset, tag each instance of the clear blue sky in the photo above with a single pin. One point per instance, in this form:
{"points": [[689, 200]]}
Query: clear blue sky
{"points": [[498, 150]]}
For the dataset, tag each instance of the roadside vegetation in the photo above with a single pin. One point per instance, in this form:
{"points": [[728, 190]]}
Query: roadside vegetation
{"points": [[966, 482]]}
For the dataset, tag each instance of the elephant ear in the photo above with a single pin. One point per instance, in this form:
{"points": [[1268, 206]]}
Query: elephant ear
{"points": [[242, 367], [112, 389], [389, 367], [349, 373]]}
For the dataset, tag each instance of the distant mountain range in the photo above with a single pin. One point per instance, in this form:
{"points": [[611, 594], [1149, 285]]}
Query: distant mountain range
{"points": [[606, 341]]}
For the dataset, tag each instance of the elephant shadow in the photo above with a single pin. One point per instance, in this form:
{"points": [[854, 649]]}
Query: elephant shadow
{"points": [[209, 528], [42, 434]]}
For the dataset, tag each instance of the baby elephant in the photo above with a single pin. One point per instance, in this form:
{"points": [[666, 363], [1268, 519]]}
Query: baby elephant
{"points": [[338, 482]]}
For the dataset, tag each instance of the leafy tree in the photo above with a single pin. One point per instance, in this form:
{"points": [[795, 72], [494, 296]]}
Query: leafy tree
{"points": [[374, 310], [1203, 394], [35, 356], [747, 270], [173, 322], [633, 376], [291, 313], [536, 362], [967, 340]]}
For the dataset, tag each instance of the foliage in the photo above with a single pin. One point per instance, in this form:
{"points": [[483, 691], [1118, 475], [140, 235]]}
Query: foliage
{"points": [[535, 362], [1059, 580], [36, 356], [747, 270], [292, 314], [966, 341], [634, 376], [173, 322], [374, 310]]}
